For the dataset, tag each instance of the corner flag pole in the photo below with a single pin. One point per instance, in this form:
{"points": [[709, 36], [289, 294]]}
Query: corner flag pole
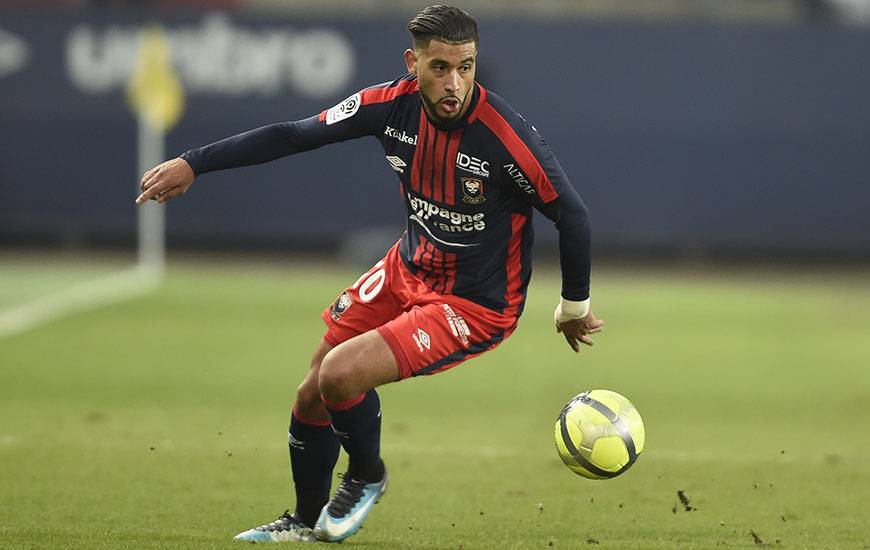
{"points": [[150, 217], [156, 97]]}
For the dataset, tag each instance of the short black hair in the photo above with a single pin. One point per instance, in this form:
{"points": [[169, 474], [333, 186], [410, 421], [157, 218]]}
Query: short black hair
{"points": [[446, 23]]}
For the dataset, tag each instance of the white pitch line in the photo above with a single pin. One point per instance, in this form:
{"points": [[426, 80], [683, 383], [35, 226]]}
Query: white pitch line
{"points": [[87, 296]]}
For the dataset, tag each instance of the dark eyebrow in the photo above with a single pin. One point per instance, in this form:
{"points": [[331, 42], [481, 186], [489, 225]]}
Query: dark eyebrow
{"points": [[437, 61]]}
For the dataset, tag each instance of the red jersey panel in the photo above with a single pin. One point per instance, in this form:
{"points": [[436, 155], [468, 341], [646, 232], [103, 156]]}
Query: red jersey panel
{"points": [[469, 188]]}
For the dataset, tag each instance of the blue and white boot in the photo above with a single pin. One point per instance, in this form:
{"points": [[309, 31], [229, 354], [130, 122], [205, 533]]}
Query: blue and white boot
{"points": [[348, 507], [287, 528]]}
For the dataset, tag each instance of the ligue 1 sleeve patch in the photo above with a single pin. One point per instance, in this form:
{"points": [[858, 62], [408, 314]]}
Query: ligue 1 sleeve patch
{"points": [[343, 110]]}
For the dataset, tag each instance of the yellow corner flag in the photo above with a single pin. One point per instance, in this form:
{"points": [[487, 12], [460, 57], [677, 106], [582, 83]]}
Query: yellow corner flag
{"points": [[154, 92]]}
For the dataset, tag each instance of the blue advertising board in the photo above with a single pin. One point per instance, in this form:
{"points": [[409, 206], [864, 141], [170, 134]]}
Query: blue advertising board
{"points": [[677, 137]]}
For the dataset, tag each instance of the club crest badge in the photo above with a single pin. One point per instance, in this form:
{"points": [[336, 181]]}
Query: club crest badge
{"points": [[472, 190], [341, 305]]}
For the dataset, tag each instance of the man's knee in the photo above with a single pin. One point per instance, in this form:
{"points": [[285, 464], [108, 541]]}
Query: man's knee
{"points": [[335, 380], [308, 401], [308, 393], [356, 366]]}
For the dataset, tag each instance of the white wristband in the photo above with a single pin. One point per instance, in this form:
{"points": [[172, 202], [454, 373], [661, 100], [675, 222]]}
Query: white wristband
{"points": [[568, 310]]}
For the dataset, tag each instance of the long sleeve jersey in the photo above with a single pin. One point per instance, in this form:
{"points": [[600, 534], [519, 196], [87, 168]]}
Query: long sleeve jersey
{"points": [[469, 188]]}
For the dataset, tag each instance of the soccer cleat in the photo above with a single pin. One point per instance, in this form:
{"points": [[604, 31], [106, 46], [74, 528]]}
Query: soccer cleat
{"points": [[287, 528], [346, 510]]}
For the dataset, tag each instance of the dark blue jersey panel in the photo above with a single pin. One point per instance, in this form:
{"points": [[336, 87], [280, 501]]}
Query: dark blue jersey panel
{"points": [[542, 182], [469, 188]]}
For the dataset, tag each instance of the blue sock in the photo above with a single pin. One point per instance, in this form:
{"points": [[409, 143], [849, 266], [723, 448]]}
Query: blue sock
{"points": [[358, 425], [314, 451]]}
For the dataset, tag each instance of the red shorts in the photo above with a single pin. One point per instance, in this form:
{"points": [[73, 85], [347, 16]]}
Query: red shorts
{"points": [[428, 332]]}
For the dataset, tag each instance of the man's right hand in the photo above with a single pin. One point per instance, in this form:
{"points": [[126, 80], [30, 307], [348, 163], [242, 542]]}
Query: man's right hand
{"points": [[166, 181]]}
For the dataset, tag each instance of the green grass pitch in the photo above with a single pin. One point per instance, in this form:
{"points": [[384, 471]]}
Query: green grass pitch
{"points": [[161, 422]]}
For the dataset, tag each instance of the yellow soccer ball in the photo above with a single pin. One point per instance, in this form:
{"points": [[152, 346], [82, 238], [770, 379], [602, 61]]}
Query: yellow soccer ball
{"points": [[599, 434]]}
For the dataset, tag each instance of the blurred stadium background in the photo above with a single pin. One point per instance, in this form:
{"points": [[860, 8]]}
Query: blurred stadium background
{"points": [[691, 128], [721, 146]]}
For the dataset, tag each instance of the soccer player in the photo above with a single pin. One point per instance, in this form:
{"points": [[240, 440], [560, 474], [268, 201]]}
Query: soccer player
{"points": [[471, 171]]}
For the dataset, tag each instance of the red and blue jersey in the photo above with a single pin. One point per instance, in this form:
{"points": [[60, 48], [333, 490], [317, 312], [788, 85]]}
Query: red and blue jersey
{"points": [[469, 188]]}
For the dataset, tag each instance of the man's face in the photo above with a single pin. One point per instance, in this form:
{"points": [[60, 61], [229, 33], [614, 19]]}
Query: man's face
{"points": [[445, 74]]}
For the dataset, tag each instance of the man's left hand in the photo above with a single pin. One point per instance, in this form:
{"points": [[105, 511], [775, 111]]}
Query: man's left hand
{"points": [[577, 331]]}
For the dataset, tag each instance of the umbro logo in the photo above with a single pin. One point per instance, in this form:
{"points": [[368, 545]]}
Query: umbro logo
{"points": [[396, 163], [421, 338]]}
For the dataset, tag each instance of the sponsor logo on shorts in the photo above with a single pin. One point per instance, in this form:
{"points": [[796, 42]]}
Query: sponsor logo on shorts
{"points": [[457, 324], [343, 110], [342, 304], [421, 338], [472, 190]]}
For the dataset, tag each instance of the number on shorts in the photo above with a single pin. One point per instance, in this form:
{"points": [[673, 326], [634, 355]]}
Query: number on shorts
{"points": [[374, 282]]}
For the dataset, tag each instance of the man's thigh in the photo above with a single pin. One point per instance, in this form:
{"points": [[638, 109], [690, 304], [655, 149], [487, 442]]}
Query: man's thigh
{"points": [[438, 335], [365, 305]]}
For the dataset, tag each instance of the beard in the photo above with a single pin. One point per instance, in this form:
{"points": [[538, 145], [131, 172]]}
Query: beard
{"points": [[431, 107]]}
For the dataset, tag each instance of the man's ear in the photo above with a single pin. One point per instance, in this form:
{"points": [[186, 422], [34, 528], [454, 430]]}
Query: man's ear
{"points": [[411, 61]]}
